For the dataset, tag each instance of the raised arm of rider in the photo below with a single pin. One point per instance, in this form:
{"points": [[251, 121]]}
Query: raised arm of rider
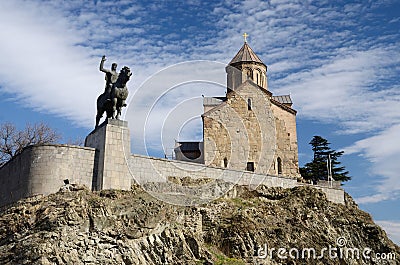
{"points": [[102, 69]]}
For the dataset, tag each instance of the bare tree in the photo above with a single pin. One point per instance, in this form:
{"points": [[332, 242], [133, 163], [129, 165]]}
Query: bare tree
{"points": [[13, 141], [78, 141]]}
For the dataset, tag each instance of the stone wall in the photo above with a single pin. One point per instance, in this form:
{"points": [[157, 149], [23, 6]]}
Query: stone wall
{"points": [[43, 169], [146, 169], [333, 194], [242, 134], [150, 169], [286, 140], [14, 177]]}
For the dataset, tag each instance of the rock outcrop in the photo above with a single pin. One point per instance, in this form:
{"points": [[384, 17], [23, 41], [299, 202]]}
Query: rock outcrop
{"points": [[77, 226]]}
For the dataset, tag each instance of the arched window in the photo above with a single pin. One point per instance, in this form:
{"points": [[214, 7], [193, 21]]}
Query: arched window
{"points": [[249, 73], [258, 76], [225, 162], [249, 106], [262, 83], [279, 162]]}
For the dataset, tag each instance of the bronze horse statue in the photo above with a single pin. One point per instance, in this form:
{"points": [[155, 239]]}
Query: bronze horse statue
{"points": [[119, 93]]}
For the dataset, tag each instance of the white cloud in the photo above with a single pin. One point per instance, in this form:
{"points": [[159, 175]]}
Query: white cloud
{"points": [[169, 98], [344, 91], [383, 151], [392, 229], [41, 65], [51, 52]]}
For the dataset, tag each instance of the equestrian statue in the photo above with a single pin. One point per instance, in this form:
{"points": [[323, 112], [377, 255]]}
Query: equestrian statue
{"points": [[115, 92]]}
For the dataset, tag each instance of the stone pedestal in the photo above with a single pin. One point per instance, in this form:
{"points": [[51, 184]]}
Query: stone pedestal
{"points": [[112, 142]]}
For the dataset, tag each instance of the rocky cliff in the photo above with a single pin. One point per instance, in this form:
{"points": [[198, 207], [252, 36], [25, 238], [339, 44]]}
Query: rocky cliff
{"points": [[262, 226]]}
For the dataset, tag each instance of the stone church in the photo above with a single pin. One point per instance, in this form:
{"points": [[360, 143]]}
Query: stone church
{"points": [[249, 128]]}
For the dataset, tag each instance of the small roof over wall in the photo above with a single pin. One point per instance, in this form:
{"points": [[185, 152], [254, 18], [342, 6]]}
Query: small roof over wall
{"points": [[188, 146], [284, 99], [213, 101]]}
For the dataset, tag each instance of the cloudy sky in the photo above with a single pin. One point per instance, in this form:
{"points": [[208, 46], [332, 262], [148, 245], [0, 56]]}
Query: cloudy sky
{"points": [[339, 60]]}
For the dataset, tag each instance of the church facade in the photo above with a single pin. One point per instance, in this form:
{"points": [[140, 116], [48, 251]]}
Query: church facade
{"points": [[249, 128]]}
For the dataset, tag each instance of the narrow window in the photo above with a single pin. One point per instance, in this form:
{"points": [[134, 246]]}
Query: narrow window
{"points": [[250, 166], [249, 103], [225, 162], [249, 74], [262, 80], [279, 161]]}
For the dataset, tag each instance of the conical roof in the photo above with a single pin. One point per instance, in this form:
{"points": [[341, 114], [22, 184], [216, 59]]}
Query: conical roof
{"points": [[245, 54]]}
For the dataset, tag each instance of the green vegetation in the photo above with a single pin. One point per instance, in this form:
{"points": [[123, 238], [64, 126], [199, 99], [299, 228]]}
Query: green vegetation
{"points": [[317, 169], [229, 261], [221, 259]]}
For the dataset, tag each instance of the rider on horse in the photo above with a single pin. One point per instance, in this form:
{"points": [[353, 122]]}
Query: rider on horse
{"points": [[110, 77], [115, 92]]}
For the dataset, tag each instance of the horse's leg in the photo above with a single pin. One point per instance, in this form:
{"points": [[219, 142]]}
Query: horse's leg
{"points": [[119, 108], [118, 113], [114, 107], [100, 109], [99, 115]]}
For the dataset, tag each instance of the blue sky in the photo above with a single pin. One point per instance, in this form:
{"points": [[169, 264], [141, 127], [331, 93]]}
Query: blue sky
{"points": [[339, 60]]}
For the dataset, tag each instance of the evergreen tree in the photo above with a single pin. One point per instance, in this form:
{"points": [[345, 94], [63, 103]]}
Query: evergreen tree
{"points": [[317, 169]]}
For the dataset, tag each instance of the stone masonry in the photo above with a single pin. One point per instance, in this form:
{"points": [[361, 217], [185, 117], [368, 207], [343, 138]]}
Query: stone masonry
{"points": [[43, 169], [112, 140], [244, 140]]}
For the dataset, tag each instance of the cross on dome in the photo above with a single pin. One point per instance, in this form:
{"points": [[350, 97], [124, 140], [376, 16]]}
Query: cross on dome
{"points": [[245, 35]]}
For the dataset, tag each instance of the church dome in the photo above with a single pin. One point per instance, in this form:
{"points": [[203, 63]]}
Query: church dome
{"points": [[245, 54]]}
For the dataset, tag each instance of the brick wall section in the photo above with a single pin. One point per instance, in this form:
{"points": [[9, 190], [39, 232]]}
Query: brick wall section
{"points": [[43, 169]]}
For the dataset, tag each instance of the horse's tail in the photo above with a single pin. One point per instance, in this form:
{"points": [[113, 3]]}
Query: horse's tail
{"points": [[100, 102]]}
